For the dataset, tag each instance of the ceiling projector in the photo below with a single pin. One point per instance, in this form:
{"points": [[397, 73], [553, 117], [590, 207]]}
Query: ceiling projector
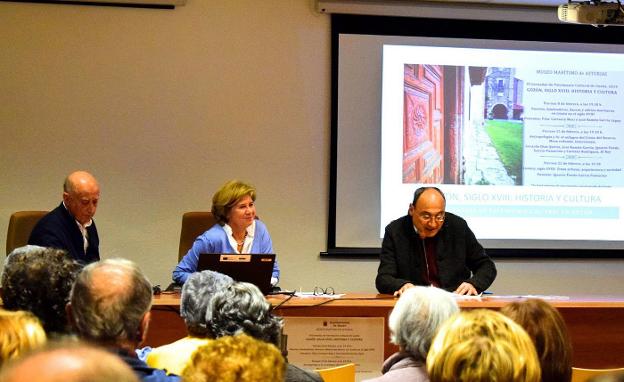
{"points": [[597, 13]]}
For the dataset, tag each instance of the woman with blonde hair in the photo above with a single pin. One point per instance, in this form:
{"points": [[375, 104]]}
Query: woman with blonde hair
{"points": [[239, 358], [482, 345], [238, 230], [20, 332]]}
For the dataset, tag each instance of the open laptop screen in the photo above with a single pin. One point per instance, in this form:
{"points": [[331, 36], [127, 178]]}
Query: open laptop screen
{"points": [[255, 268]]}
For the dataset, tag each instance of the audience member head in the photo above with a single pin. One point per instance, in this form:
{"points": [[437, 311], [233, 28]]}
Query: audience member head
{"points": [[239, 358], [227, 196], [482, 345], [20, 332], [110, 303], [39, 280], [548, 331], [197, 292], [428, 211], [417, 316], [242, 308], [81, 193], [69, 362]]}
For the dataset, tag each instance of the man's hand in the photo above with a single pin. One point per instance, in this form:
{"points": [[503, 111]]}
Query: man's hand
{"points": [[405, 287], [465, 289]]}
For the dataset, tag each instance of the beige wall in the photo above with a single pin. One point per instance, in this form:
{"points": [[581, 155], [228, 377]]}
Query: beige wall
{"points": [[164, 106]]}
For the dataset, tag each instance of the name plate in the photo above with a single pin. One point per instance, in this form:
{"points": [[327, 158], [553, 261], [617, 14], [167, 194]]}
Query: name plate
{"points": [[236, 258], [322, 342]]}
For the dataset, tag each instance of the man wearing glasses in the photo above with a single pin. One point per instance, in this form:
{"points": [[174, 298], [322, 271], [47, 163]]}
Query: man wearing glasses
{"points": [[430, 246]]}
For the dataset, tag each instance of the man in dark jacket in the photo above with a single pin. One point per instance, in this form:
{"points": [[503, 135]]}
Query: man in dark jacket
{"points": [[70, 226], [430, 246]]}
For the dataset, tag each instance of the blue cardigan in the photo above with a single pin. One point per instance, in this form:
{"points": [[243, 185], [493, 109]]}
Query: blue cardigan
{"points": [[215, 240]]}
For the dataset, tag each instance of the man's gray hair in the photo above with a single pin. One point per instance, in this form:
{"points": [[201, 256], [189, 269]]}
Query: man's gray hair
{"points": [[110, 315], [197, 292], [242, 308], [416, 317]]}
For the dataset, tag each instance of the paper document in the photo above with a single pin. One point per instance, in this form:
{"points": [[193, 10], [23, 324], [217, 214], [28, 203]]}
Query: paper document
{"points": [[541, 297]]}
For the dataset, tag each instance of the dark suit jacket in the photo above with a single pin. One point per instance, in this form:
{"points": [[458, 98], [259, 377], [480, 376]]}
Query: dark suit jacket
{"points": [[58, 229], [459, 257]]}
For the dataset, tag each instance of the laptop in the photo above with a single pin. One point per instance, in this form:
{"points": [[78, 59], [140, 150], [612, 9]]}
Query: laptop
{"points": [[255, 268]]}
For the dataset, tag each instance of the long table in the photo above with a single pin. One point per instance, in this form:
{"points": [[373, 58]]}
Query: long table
{"points": [[596, 325]]}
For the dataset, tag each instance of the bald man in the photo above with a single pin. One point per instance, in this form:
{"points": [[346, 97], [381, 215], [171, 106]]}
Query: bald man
{"points": [[69, 362], [430, 246], [110, 306], [70, 226]]}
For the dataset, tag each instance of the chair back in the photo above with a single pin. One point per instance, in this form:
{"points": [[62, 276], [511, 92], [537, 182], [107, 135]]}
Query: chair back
{"points": [[342, 373], [583, 375], [21, 225], [194, 223]]}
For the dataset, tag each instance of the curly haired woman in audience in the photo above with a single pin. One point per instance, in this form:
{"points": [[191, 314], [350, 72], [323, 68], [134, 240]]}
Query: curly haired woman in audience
{"points": [[239, 358], [548, 331], [39, 280], [20, 332], [242, 308], [414, 321], [482, 345]]}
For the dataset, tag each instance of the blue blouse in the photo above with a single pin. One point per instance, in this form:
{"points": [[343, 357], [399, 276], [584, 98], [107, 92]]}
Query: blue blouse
{"points": [[215, 240]]}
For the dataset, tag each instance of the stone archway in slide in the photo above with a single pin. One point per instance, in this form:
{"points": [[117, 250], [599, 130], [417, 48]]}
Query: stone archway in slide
{"points": [[499, 111]]}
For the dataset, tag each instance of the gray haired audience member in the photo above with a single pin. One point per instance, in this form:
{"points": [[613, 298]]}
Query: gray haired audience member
{"points": [[413, 323], [242, 308], [196, 295], [69, 362], [110, 306], [39, 280]]}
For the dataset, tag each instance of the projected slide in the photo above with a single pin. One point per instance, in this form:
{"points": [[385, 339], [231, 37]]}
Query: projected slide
{"points": [[525, 144]]}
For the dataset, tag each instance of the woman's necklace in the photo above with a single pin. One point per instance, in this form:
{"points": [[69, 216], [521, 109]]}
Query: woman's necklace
{"points": [[241, 242]]}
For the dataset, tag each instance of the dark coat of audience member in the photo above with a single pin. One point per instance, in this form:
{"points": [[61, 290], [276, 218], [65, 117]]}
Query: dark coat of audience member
{"points": [[39, 280]]}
